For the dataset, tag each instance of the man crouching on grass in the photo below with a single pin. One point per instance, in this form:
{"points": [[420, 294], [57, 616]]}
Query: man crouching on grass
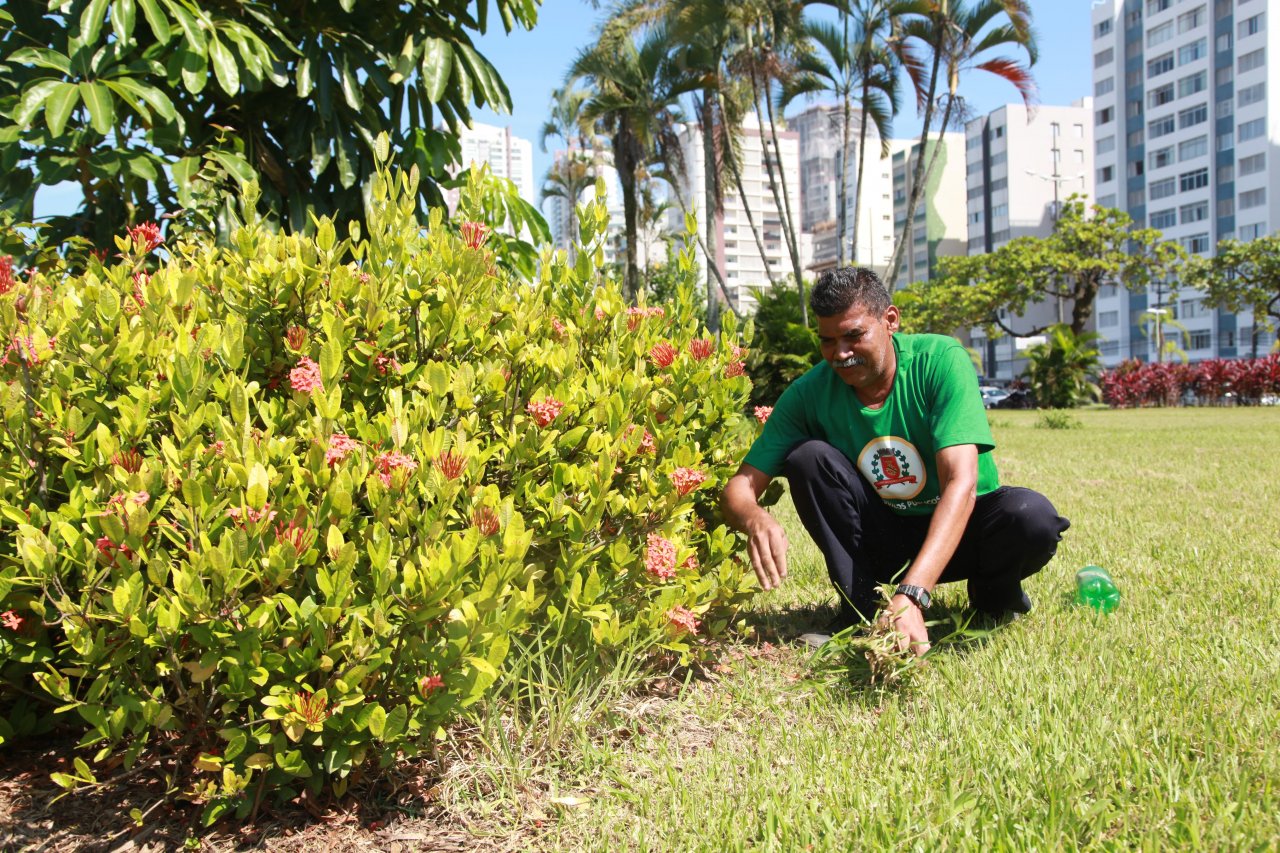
{"points": [[887, 451]]}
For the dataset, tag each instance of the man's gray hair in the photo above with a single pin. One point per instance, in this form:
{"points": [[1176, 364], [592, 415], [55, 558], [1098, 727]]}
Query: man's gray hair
{"points": [[836, 290]]}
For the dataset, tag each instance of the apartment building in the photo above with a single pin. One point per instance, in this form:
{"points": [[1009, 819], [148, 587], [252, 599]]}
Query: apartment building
{"points": [[507, 155], [559, 209], [939, 226], [738, 256], [821, 130], [1021, 165], [1185, 141]]}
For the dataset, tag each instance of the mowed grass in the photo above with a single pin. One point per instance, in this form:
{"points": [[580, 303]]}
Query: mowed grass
{"points": [[1155, 727]]}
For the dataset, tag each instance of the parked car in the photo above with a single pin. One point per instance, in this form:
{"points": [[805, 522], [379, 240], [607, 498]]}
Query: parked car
{"points": [[991, 395], [1018, 399]]}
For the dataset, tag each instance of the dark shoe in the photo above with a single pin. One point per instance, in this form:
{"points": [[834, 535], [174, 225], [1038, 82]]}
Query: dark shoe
{"points": [[1014, 602]]}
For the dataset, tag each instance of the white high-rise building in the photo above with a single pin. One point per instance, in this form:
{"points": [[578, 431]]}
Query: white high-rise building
{"points": [[1021, 165], [507, 155], [736, 249], [559, 209], [939, 226], [1186, 142], [821, 130]]}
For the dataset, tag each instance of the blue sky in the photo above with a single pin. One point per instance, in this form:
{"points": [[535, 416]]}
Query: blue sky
{"points": [[534, 62]]}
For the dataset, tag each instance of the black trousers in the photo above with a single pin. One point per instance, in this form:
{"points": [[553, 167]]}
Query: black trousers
{"points": [[1012, 533]]}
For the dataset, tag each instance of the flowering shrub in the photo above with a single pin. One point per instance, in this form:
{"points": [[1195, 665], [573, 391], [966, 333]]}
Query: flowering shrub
{"points": [[1241, 380], [229, 541]]}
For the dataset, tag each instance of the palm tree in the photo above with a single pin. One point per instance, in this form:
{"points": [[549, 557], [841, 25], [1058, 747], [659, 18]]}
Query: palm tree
{"points": [[566, 120], [635, 92], [877, 73], [568, 178], [957, 35]]}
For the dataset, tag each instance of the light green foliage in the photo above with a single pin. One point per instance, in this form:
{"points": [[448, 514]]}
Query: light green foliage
{"points": [[1241, 276], [1060, 371], [1087, 249], [201, 566], [141, 102], [785, 348]]}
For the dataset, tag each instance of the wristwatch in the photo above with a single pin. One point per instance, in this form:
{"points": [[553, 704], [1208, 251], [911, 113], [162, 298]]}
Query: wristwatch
{"points": [[918, 594]]}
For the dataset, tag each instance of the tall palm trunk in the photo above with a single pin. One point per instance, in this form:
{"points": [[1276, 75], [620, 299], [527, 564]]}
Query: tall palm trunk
{"points": [[917, 176], [787, 225], [714, 219], [842, 195], [624, 157]]}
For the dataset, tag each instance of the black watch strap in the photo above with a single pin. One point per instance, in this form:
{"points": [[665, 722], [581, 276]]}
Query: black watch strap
{"points": [[918, 594]]}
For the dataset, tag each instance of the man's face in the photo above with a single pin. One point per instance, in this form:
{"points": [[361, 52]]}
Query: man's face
{"points": [[858, 345]]}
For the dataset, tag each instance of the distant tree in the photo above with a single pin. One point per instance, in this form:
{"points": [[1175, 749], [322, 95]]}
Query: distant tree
{"points": [[1060, 371], [1242, 276], [568, 178], [133, 100]]}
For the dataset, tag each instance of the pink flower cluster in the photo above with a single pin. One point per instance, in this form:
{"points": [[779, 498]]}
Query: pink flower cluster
{"points": [[686, 480], [683, 619], [340, 447], [544, 411], [660, 557], [251, 515], [735, 368], [391, 461], [556, 325], [382, 363], [107, 548], [474, 234], [662, 355], [7, 280], [429, 684], [305, 378], [11, 620], [636, 314], [146, 236], [117, 502], [647, 442], [762, 413], [702, 348]]}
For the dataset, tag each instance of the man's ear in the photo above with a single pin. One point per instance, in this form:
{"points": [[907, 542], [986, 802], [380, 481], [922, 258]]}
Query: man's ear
{"points": [[892, 318]]}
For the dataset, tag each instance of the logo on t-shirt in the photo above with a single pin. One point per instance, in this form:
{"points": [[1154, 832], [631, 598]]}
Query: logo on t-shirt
{"points": [[893, 466]]}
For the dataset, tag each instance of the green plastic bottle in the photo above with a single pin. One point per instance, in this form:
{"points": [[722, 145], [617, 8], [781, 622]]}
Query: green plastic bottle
{"points": [[1095, 588]]}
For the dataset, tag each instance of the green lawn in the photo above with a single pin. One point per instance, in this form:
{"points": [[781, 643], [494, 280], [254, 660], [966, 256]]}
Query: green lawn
{"points": [[1156, 727]]}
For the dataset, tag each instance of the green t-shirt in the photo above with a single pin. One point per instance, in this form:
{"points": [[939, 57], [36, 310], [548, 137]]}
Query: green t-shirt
{"points": [[934, 403]]}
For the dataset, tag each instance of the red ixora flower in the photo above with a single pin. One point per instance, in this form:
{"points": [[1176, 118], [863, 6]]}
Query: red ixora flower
{"points": [[451, 465], [686, 480], [636, 314], [544, 411], [691, 562], [340, 446], [295, 338], [391, 461], [7, 281], [486, 521], [11, 620], [294, 535], [474, 234], [130, 460], [702, 348], [429, 684], [762, 413], [662, 355], [683, 619], [145, 236], [305, 378], [735, 368], [660, 557]]}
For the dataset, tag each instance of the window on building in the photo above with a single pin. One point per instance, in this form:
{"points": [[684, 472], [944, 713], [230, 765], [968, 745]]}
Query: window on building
{"points": [[1077, 130], [1223, 75], [1192, 148], [1251, 129], [1161, 127], [1000, 210], [1077, 154], [1055, 129], [1223, 42], [1134, 139], [1108, 319], [1201, 340], [1251, 60], [1105, 145], [1132, 18], [1226, 174], [1104, 87], [1252, 198], [1253, 164], [1133, 108], [1108, 200], [1160, 34], [1250, 26], [1221, 9], [1251, 94], [1155, 6], [1188, 21], [1160, 96], [1195, 180], [1197, 212], [1162, 219], [1224, 108], [975, 217], [1250, 232], [1193, 83], [1101, 28], [1135, 168], [1105, 115], [1192, 116], [1226, 207], [1133, 79], [1226, 141], [1160, 158], [1106, 174], [1136, 198], [1196, 244], [1159, 65], [1197, 49]]}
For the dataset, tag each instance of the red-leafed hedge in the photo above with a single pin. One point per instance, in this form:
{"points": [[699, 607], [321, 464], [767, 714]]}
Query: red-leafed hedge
{"points": [[1241, 381]]}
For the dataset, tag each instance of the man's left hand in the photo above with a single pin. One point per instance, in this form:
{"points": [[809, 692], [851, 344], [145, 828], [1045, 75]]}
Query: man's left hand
{"points": [[908, 619]]}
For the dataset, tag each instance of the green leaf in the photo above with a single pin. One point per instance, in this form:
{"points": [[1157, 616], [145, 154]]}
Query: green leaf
{"points": [[195, 70], [350, 85], [132, 90], [305, 76], [437, 58], [157, 20], [224, 67], [91, 21], [259, 486], [102, 113], [123, 16], [33, 100], [377, 721], [59, 105], [331, 362], [42, 57], [234, 163]]}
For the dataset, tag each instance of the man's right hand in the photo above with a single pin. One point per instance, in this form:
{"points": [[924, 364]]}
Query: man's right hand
{"points": [[767, 544]]}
